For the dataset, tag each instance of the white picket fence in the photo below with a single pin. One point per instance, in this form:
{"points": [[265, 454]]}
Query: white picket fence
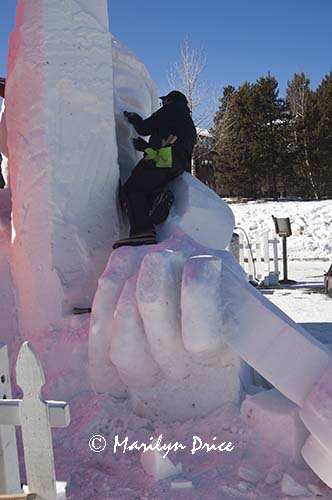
{"points": [[259, 258], [36, 417]]}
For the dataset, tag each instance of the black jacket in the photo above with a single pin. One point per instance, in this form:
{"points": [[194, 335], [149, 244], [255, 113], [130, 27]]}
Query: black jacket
{"points": [[175, 119]]}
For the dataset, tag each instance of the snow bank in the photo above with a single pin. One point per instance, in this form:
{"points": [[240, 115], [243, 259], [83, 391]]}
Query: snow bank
{"points": [[311, 223]]}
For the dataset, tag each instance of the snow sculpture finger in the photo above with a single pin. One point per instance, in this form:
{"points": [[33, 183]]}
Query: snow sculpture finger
{"points": [[158, 297], [201, 305], [121, 265], [129, 350]]}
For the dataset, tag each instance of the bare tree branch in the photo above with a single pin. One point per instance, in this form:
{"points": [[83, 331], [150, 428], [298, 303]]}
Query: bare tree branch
{"points": [[186, 75]]}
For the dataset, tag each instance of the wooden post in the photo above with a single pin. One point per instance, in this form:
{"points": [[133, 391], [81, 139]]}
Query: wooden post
{"points": [[35, 423], [9, 465], [266, 253], [275, 257], [284, 257], [36, 417], [260, 274], [241, 251], [250, 256]]}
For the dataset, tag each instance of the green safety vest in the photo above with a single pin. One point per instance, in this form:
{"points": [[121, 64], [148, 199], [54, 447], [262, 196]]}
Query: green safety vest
{"points": [[162, 156]]}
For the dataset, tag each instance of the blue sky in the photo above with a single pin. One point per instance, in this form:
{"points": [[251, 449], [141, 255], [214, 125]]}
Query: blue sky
{"points": [[243, 39]]}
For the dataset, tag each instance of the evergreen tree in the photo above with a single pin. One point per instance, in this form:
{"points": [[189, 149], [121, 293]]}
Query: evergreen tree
{"points": [[323, 135], [236, 170], [302, 103], [270, 145], [252, 152], [266, 145]]}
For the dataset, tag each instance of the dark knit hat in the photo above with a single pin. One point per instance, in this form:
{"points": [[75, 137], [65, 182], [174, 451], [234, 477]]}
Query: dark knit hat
{"points": [[175, 96]]}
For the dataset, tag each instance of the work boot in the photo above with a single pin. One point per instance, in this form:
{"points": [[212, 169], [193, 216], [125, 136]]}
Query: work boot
{"points": [[137, 239]]}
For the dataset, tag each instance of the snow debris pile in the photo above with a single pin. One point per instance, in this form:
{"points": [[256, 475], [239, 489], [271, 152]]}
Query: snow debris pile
{"points": [[252, 470]]}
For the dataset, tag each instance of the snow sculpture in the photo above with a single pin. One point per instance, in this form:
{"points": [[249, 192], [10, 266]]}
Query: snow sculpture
{"points": [[172, 322], [63, 157]]}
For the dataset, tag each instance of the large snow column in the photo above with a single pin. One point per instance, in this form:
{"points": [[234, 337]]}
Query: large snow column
{"points": [[63, 156]]}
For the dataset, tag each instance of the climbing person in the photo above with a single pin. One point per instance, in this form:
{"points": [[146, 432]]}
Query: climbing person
{"points": [[167, 155]]}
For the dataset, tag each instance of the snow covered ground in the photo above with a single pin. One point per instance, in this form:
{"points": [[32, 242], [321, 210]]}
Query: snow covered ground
{"points": [[309, 253], [311, 223], [305, 301]]}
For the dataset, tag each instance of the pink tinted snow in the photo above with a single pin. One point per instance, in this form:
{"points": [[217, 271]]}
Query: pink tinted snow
{"points": [[215, 475], [109, 476]]}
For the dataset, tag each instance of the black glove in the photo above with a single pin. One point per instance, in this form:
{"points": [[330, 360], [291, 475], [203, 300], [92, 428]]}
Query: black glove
{"points": [[131, 117], [140, 144]]}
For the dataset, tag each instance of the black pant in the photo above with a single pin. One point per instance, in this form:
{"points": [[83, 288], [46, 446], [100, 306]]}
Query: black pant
{"points": [[138, 193]]}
